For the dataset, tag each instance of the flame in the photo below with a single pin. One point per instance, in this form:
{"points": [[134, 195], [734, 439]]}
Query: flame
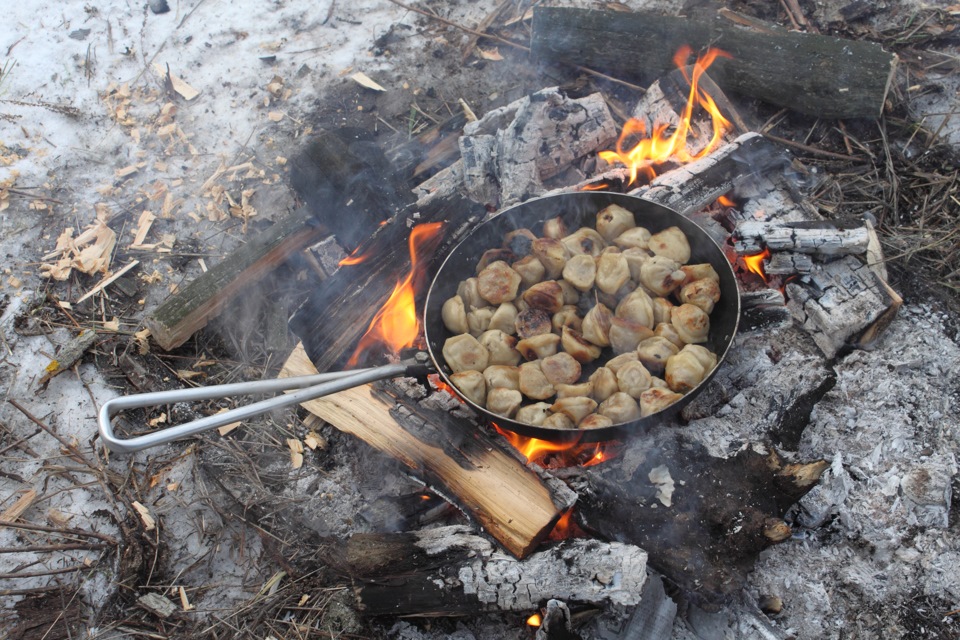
{"points": [[596, 186], [535, 620], [396, 324], [754, 263], [566, 528], [724, 201], [559, 454], [660, 147]]}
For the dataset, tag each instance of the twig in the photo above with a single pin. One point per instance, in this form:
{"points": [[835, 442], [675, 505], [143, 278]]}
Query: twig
{"points": [[61, 531], [846, 139], [790, 15], [66, 443], [37, 574], [474, 39], [809, 149], [38, 548]]}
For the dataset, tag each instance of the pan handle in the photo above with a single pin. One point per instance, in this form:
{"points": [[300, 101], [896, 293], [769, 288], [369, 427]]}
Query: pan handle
{"points": [[310, 388]]}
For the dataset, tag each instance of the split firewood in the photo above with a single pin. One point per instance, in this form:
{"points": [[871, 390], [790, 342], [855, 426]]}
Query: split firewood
{"points": [[786, 263], [450, 571], [818, 75], [816, 237]]}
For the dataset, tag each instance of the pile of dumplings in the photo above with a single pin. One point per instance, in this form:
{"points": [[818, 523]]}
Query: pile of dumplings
{"points": [[583, 328]]}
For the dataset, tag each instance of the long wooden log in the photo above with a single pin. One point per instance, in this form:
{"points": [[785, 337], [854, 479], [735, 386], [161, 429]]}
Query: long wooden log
{"points": [[452, 571], [813, 74], [511, 502], [817, 237]]}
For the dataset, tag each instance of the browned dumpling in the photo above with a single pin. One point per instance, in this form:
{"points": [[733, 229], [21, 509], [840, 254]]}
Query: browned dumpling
{"points": [[661, 275], [584, 240], [596, 325], [620, 407], [653, 353], [519, 241], [661, 310], [579, 347], [571, 295], [658, 382], [504, 402], [635, 238], [613, 220], [595, 421], [668, 331], [494, 255], [546, 295], [552, 254], [498, 283], [540, 346], [560, 368], [472, 385], [612, 272], [672, 243], [633, 379], [616, 362], [555, 228], [704, 293], [604, 383], [454, 315], [699, 272], [501, 347], [534, 414], [530, 269], [504, 318], [469, 292], [637, 307], [575, 408], [574, 390], [465, 353], [533, 383], [626, 335], [684, 371], [478, 320], [533, 322], [581, 272], [501, 376], [656, 399], [566, 317], [691, 323], [558, 421], [706, 357]]}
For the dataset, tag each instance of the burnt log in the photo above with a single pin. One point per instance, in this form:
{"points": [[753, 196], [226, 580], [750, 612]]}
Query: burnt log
{"points": [[449, 571], [814, 74], [703, 519], [475, 470], [815, 237]]}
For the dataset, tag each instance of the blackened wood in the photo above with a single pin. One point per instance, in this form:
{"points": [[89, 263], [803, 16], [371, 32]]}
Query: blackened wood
{"points": [[817, 237], [452, 571], [723, 511], [813, 74], [189, 310]]}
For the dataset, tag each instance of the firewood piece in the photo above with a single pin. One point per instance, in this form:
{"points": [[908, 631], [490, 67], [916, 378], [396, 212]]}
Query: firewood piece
{"points": [[763, 310], [788, 263], [822, 238], [842, 303], [818, 75], [506, 498], [189, 310], [451, 571], [721, 512], [68, 355]]}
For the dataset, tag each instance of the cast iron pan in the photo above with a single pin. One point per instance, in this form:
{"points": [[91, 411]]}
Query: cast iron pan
{"points": [[577, 210]]}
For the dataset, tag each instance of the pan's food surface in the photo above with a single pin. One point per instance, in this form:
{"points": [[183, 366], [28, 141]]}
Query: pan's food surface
{"points": [[585, 327]]}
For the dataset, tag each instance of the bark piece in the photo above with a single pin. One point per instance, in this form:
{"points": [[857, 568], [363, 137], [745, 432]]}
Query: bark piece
{"points": [[507, 499], [818, 75]]}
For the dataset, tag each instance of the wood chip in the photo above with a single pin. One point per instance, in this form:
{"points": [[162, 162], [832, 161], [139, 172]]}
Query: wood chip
{"points": [[143, 228], [149, 523], [365, 81], [184, 602], [100, 286], [179, 84], [58, 518], [16, 510], [296, 452], [315, 441], [489, 54], [157, 605], [275, 116], [143, 345]]}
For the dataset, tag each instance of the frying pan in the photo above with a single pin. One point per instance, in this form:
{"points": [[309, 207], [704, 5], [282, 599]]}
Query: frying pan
{"points": [[577, 210]]}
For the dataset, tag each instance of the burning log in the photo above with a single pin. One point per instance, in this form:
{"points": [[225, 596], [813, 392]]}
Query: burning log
{"points": [[816, 237], [703, 520], [813, 74], [450, 571], [512, 504]]}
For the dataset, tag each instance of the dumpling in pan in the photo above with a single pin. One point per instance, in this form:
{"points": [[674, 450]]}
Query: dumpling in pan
{"points": [[560, 369], [687, 369], [585, 240], [501, 376], [533, 383], [661, 310], [465, 353], [635, 259], [595, 421], [504, 402], [596, 325], [504, 319], [581, 272], [472, 385], [704, 293], [626, 335], [530, 269], [575, 408], [574, 390], [661, 275], [498, 283], [566, 317], [633, 379], [620, 407], [552, 254], [478, 320], [546, 295], [699, 272], [637, 307], [653, 353], [579, 347], [604, 383], [454, 315], [672, 243], [614, 220], [469, 292], [558, 421], [500, 346], [668, 331], [612, 271], [555, 228], [691, 323], [635, 238], [533, 322], [656, 399], [534, 414], [540, 346]]}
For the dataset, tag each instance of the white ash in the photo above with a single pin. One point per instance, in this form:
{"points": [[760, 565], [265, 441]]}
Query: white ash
{"points": [[876, 531]]}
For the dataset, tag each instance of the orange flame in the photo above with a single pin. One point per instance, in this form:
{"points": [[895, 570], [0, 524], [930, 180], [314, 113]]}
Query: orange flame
{"points": [[535, 620], [724, 201], [561, 454], [596, 186], [566, 528], [755, 262], [396, 324], [660, 147]]}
